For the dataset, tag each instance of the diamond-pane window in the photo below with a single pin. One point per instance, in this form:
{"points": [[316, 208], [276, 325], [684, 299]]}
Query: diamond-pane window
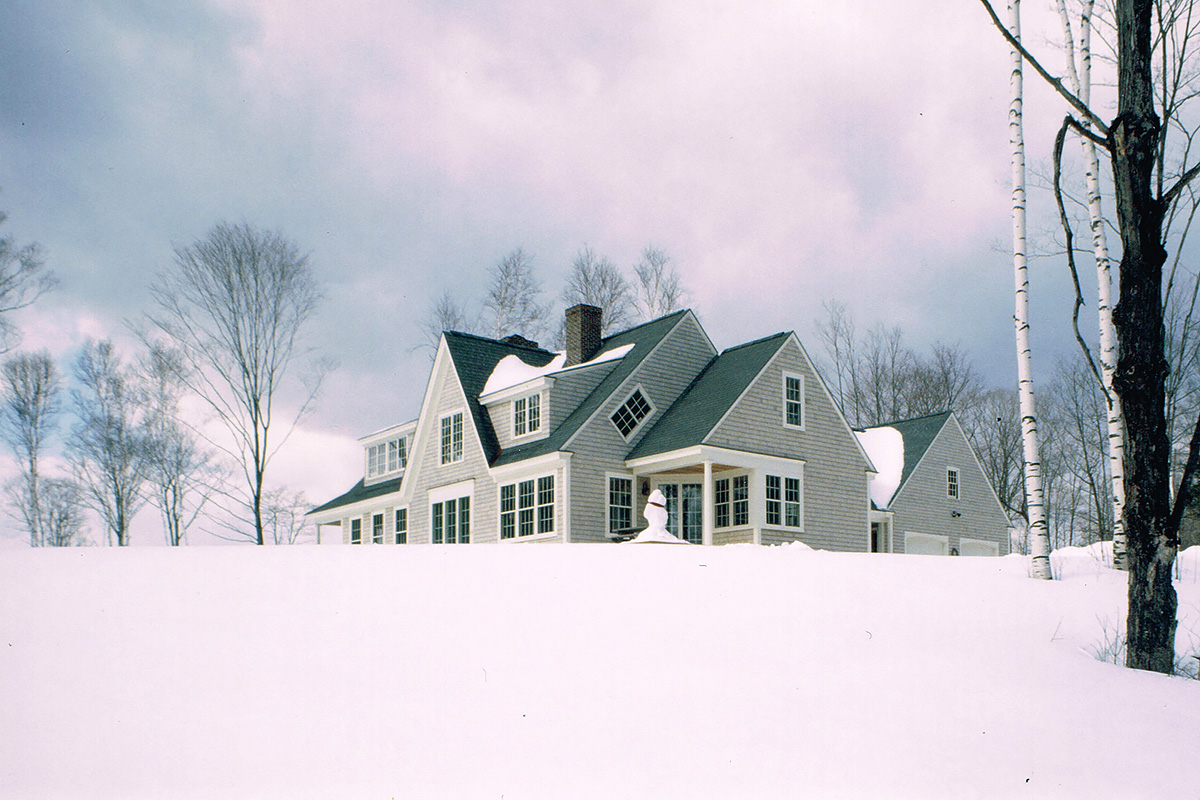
{"points": [[631, 413]]}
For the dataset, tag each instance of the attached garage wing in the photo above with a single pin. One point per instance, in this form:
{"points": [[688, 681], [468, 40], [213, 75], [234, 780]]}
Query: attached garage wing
{"points": [[926, 544]]}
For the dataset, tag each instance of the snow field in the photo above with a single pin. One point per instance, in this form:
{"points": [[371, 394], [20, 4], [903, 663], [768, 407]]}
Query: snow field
{"points": [[583, 671]]}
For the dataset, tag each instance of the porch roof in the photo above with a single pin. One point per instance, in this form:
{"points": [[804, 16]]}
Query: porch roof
{"points": [[360, 491]]}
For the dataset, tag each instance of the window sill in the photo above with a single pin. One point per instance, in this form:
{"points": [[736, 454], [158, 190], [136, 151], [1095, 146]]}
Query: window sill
{"points": [[536, 537]]}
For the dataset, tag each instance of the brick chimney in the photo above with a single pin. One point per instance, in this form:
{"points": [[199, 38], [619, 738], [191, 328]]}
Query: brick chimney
{"points": [[583, 333]]}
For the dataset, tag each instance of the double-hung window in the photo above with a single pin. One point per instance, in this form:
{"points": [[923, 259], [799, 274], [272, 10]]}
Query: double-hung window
{"points": [[397, 455], [527, 507], [793, 401], [721, 503], [356, 531], [452, 438], [741, 500], [451, 521], [620, 504], [384, 457], [527, 415], [784, 502], [401, 526], [952, 484], [377, 529]]}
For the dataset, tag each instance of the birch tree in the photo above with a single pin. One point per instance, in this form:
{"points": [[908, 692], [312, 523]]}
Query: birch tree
{"points": [[31, 388], [23, 279], [234, 308], [1079, 79], [1039, 535], [658, 289], [596, 281], [512, 305], [445, 314], [1146, 195], [108, 448]]}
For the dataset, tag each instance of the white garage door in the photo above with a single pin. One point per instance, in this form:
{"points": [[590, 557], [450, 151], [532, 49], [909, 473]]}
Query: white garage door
{"points": [[926, 544], [978, 547]]}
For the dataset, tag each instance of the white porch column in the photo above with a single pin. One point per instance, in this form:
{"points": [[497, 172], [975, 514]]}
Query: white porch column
{"points": [[708, 507]]}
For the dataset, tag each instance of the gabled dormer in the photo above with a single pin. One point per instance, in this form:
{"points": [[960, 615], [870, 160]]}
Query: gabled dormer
{"points": [[386, 452]]}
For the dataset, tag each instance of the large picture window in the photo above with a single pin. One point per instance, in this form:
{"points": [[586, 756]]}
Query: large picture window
{"points": [[527, 507], [451, 521], [452, 438]]}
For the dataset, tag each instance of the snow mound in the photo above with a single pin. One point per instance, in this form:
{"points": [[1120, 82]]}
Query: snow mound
{"points": [[512, 371], [885, 447]]}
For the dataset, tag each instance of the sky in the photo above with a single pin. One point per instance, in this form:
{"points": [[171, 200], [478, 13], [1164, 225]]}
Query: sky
{"points": [[783, 153]]}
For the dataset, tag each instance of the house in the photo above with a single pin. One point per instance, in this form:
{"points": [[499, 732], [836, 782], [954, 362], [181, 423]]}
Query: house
{"points": [[514, 443], [931, 495]]}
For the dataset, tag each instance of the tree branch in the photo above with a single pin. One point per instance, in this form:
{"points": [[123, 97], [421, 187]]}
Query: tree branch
{"points": [[1057, 83], [1181, 184]]}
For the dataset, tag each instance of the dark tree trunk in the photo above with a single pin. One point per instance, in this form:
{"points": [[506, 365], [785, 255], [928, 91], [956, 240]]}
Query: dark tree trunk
{"points": [[1141, 365]]}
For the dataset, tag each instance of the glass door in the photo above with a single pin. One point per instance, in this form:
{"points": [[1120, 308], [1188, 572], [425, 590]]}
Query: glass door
{"points": [[685, 510]]}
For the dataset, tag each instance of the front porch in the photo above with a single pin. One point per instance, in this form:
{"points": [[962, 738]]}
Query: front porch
{"points": [[720, 496]]}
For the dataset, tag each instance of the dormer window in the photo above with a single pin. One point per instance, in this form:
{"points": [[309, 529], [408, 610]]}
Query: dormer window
{"points": [[527, 415], [387, 456], [631, 413]]}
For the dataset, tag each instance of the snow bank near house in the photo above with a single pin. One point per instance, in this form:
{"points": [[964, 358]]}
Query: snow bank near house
{"points": [[885, 447], [512, 371], [583, 671]]}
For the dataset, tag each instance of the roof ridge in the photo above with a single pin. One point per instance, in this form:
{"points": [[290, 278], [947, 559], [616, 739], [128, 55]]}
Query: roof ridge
{"points": [[760, 340], [490, 340], [647, 322], [910, 419]]}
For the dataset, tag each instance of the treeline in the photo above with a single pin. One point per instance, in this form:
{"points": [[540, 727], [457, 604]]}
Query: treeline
{"points": [[877, 378], [185, 422], [515, 301]]}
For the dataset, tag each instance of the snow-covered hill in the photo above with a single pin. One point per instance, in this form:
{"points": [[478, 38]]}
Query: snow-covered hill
{"points": [[575, 672]]}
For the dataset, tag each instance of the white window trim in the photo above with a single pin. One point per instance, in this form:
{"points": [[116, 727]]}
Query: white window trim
{"points": [[536, 433], [642, 422], [407, 522], [634, 489], [515, 482], [957, 483], [803, 402], [730, 475], [783, 479], [462, 450]]}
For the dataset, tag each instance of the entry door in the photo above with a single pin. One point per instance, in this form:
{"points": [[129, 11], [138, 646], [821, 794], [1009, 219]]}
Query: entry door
{"points": [[685, 504]]}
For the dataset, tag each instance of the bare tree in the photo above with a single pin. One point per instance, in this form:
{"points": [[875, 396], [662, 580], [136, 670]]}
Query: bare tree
{"points": [[1147, 191], [63, 513], [23, 279], [234, 308], [108, 447], [181, 475], [31, 388], [446, 314], [511, 304], [994, 428], [283, 515], [594, 280], [839, 340], [658, 290]]}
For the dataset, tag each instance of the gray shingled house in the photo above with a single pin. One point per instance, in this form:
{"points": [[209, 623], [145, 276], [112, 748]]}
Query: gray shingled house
{"points": [[932, 495], [514, 443]]}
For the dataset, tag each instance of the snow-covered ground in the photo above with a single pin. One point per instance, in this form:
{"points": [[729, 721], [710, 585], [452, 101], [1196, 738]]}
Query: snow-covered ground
{"points": [[575, 672]]}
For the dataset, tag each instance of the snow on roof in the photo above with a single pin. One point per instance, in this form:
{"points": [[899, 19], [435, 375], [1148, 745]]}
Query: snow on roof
{"points": [[885, 446], [512, 371]]}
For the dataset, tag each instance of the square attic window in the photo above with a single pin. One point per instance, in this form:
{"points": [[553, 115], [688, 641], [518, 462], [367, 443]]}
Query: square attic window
{"points": [[631, 413]]}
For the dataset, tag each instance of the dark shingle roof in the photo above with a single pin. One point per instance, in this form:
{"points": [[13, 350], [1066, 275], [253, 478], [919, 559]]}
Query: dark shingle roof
{"points": [[643, 338], [474, 359], [360, 492], [918, 434], [702, 405]]}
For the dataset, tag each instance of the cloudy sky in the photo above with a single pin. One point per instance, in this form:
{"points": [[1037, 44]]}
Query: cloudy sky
{"points": [[783, 152]]}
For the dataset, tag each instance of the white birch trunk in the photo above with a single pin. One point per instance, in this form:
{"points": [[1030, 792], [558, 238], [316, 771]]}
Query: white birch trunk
{"points": [[1081, 84], [1039, 535]]}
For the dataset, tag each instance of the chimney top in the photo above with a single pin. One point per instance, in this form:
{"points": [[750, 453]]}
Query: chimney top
{"points": [[583, 324], [518, 340]]}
